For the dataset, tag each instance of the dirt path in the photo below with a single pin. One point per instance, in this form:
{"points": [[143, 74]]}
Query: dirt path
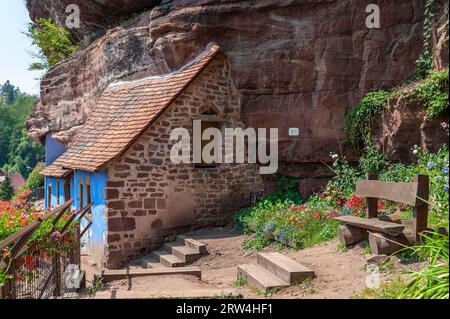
{"points": [[338, 274]]}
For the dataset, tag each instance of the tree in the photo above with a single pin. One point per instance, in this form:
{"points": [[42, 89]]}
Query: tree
{"points": [[54, 43], [6, 189], [8, 93], [18, 153]]}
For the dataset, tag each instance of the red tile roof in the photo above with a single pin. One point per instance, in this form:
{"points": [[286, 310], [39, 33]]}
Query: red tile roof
{"points": [[124, 111], [17, 180]]}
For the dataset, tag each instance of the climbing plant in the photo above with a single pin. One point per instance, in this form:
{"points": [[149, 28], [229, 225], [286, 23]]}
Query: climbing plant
{"points": [[425, 61], [359, 121]]}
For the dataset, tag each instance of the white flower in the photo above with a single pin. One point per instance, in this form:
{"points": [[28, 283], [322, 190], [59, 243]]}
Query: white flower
{"points": [[415, 152], [334, 156]]}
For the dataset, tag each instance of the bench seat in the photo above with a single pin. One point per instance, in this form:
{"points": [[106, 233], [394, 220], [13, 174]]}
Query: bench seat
{"points": [[373, 224]]}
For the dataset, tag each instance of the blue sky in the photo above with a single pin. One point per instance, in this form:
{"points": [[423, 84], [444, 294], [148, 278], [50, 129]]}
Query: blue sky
{"points": [[14, 54]]}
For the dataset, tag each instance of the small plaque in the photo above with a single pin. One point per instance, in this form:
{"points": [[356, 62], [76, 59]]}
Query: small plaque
{"points": [[294, 131]]}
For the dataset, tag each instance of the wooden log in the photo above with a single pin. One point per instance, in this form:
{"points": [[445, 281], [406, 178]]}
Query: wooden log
{"points": [[350, 235], [383, 244], [393, 218], [373, 224]]}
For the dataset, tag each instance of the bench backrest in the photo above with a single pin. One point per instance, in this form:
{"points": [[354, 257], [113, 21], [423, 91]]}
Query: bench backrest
{"points": [[415, 194]]}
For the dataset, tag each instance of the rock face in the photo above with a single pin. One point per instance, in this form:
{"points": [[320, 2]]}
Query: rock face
{"points": [[297, 63], [440, 35], [96, 16], [399, 129]]}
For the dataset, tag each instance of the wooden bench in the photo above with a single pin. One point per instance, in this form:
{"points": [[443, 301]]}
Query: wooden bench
{"points": [[386, 234]]}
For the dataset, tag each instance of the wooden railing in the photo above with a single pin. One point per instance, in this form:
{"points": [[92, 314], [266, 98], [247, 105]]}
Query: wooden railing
{"points": [[32, 272]]}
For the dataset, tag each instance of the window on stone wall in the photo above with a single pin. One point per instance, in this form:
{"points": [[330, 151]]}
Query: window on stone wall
{"points": [[57, 191], [205, 125]]}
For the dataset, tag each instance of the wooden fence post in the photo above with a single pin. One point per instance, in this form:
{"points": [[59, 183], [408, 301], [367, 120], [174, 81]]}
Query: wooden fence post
{"points": [[57, 267]]}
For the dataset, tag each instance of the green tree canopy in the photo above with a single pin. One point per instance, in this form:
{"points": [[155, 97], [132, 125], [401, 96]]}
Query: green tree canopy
{"points": [[6, 189], [18, 153]]}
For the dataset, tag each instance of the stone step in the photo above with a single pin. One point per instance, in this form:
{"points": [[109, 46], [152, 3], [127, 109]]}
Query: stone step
{"points": [[150, 261], [260, 278], [193, 244], [169, 260], [184, 253], [111, 275], [284, 267]]}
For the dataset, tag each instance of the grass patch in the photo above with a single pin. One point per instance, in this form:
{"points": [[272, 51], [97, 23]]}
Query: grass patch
{"points": [[241, 281], [390, 289], [342, 248]]}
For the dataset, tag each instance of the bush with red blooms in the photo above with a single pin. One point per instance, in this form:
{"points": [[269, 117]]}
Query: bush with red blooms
{"points": [[44, 242]]}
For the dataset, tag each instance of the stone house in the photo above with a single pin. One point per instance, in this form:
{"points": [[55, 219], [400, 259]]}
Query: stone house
{"points": [[120, 161]]}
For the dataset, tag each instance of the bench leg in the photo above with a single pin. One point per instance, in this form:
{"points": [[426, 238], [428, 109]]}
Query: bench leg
{"points": [[350, 235], [382, 244]]}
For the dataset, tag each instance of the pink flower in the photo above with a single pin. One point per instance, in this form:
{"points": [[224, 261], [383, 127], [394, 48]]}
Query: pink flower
{"points": [[56, 234], [444, 125]]}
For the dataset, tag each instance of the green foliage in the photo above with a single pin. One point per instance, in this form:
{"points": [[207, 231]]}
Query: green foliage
{"points": [[241, 281], [373, 160], [389, 289], [6, 189], [359, 121], [35, 180], [278, 217], [17, 152], [425, 61], [95, 286], [54, 43], [432, 92], [431, 282], [345, 177]]}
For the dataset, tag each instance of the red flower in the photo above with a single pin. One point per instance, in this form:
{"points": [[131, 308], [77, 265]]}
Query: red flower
{"points": [[317, 215]]}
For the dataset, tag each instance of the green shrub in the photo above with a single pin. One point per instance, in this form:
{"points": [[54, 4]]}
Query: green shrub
{"points": [[6, 189], [345, 177], [35, 180], [373, 160], [359, 121], [54, 43], [432, 92]]}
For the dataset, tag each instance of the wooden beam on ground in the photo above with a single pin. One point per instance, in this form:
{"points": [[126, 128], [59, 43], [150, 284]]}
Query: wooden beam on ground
{"points": [[111, 275]]}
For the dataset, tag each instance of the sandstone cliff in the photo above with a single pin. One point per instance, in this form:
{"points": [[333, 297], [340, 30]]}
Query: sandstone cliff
{"points": [[296, 63]]}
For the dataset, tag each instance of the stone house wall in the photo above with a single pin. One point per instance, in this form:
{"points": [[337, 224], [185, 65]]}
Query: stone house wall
{"points": [[149, 197]]}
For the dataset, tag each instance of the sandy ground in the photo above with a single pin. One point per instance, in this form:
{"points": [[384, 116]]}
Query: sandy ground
{"points": [[338, 274]]}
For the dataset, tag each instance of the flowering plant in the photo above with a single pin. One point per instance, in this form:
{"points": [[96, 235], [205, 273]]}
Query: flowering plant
{"points": [[45, 242]]}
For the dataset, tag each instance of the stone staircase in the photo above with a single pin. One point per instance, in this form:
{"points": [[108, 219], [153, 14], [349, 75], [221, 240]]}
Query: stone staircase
{"points": [[172, 259], [179, 253], [273, 270]]}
